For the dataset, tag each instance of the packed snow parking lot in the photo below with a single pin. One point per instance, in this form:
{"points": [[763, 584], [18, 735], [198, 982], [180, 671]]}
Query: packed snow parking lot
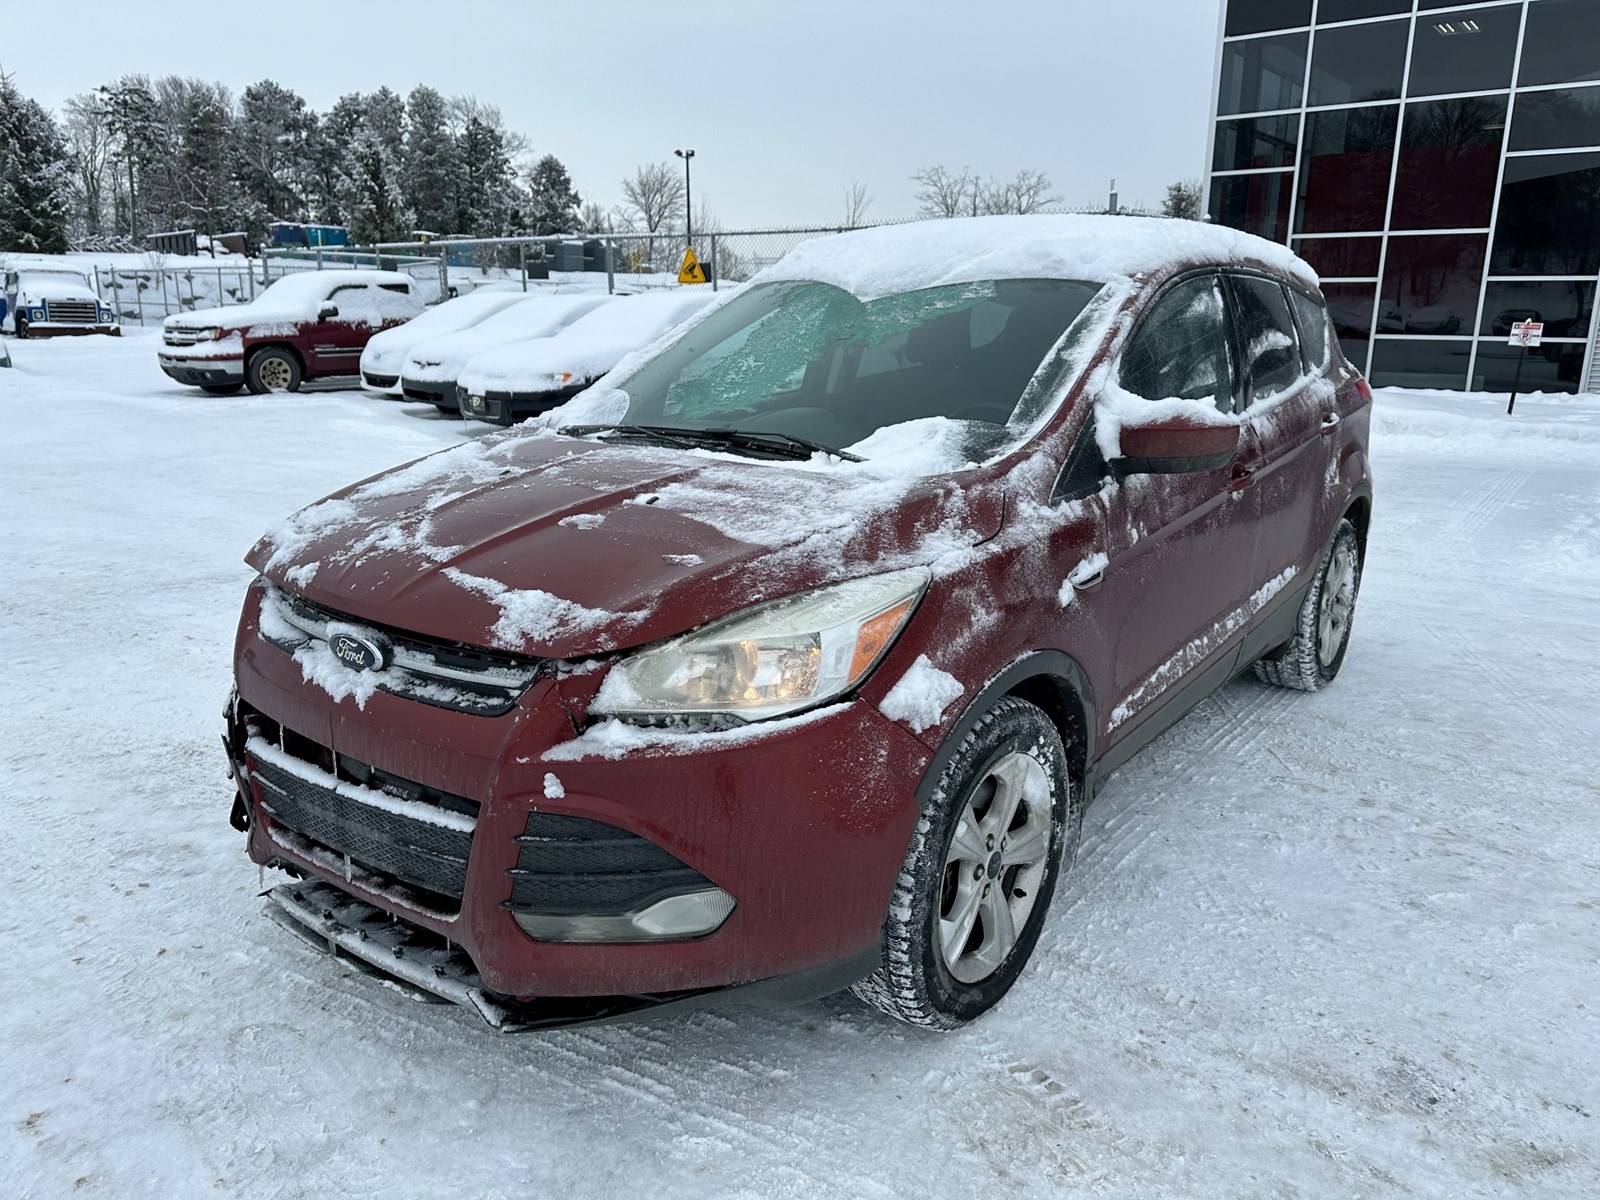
{"points": [[1332, 944]]}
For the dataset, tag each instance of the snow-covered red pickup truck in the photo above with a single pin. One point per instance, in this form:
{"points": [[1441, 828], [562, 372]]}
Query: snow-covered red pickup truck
{"points": [[304, 326], [45, 301]]}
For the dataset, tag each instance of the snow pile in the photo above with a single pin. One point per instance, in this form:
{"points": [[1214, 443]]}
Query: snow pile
{"points": [[386, 351], [530, 615], [553, 789], [585, 349], [441, 359], [900, 258], [921, 695]]}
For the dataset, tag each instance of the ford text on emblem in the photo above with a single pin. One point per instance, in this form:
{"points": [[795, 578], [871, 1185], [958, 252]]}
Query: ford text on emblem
{"points": [[359, 653]]}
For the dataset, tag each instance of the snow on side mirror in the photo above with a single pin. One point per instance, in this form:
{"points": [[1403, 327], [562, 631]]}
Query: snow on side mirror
{"points": [[327, 312], [1175, 446]]}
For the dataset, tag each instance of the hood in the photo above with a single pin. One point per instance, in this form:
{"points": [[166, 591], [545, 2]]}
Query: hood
{"points": [[45, 287], [562, 548]]}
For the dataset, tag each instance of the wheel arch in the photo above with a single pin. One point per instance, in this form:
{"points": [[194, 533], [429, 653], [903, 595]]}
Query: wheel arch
{"points": [[1048, 679], [289, 347], [1359, 510]]}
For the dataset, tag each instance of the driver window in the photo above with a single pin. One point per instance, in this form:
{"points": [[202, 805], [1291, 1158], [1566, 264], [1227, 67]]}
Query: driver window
{"points": [[1180, 350]]}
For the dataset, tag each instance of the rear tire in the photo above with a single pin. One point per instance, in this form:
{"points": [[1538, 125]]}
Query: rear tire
{"points": [[272, 370], [1322, 632], [972, 894]]}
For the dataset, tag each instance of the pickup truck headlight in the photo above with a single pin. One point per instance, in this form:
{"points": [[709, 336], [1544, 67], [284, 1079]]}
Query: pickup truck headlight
{"points": [[771, 660]]}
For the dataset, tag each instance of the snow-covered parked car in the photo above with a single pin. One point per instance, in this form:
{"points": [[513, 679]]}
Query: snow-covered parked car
{"points": [[514, 382], [309, 325], [386, 352], [786, 657], [432, 368], [47, 301]]}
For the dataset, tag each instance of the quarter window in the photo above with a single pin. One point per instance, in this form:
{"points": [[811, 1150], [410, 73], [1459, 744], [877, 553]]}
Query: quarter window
{"points": [[1266, 336], [1314, 330], [1180, 350]]}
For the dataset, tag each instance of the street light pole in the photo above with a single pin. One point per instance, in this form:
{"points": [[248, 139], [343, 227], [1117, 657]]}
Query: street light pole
{"points": [[688, 196]]}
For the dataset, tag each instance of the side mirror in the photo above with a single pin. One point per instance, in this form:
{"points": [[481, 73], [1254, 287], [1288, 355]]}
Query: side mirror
{"points": [[1175, 446], [327, 312]]}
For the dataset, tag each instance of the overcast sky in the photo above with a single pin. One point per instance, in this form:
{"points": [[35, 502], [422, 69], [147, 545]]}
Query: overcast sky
{"points": [[783, 103]]}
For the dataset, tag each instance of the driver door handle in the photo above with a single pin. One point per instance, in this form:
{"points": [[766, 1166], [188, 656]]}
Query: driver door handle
{"points": [[1241, 478]]}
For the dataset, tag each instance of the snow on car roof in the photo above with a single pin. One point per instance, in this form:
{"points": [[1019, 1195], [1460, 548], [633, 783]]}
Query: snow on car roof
{"points": [[591, 345], [900, 258], [315, 285]]}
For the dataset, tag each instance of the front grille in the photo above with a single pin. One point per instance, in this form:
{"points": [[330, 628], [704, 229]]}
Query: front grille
{"points": [[570, 865], [429, 670], [71, 312], [382, 823], [180, 337]]}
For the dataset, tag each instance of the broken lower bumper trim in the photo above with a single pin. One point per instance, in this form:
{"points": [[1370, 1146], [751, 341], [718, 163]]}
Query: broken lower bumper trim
{"points": [[335, 922]]}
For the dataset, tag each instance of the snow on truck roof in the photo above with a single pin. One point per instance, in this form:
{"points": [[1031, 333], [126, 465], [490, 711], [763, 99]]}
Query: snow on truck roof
{"points": [[870, 263]]}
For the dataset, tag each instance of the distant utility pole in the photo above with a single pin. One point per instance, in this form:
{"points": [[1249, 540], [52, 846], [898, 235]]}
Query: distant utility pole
{"points": [[688, 200]]}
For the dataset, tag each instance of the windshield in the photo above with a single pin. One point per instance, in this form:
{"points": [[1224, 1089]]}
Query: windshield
{"points": [[810, 360], [52, 273]]}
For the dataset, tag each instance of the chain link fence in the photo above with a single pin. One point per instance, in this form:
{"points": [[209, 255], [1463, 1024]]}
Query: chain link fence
{"points": [[446, 267]]}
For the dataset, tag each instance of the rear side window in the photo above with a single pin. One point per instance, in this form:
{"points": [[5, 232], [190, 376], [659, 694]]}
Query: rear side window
{"points": [[1315, 334], [1266, 336], [1180, 349], [403, 288]]}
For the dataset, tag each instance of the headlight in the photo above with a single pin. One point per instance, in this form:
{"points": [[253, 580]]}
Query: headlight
{"points": [[105, 315], [768, 661], [208, 335]]}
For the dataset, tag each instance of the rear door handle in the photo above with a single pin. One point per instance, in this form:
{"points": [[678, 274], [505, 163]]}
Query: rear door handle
{"points": [[1329, 424]]}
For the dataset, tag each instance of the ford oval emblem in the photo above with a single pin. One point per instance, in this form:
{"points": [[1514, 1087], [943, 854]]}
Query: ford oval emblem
{"points": [[359, 653]]}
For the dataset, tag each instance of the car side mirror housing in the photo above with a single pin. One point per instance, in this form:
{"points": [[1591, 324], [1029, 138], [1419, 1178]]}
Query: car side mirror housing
{"points": [[1175, 446], [327, 312]]}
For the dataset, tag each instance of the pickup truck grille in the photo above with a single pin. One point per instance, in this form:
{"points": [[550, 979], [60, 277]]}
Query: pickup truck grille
{"points": [[71, 312], [444, 674], [180, 337]]}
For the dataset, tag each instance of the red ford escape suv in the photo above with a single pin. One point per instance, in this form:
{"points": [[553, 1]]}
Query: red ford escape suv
{"points": [[785, 658], [304, 326]]}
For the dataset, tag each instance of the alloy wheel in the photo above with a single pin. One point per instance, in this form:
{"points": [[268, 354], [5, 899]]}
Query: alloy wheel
{"points": [[994, 866], [1338, 599], [276, 375]]}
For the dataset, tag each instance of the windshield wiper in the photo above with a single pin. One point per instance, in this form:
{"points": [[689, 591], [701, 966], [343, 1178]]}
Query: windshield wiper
{"points": [[786, 445]]}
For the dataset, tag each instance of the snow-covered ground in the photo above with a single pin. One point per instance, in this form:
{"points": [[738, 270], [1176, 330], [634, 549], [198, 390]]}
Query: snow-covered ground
{"points": [[1332, 945]]}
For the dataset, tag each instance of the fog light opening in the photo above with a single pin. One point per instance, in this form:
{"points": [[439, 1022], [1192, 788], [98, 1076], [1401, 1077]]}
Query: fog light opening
{"points": [[674, 918]]}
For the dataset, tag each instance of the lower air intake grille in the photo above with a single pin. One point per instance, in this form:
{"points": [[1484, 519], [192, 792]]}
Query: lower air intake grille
{"points": [[573, 865], [421, 843]]}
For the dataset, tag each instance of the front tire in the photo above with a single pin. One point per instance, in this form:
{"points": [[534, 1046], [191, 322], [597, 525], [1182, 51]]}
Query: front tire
{"points": [[971, 896], [272, 370], [21, 324], [1322, 631]]}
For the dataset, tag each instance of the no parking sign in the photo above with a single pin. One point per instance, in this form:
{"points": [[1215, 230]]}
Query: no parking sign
{"points": [[1527, 334]]}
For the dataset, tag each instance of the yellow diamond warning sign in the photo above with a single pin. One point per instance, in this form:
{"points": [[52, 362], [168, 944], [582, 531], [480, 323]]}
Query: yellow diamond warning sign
{"points": [[691, 271]]}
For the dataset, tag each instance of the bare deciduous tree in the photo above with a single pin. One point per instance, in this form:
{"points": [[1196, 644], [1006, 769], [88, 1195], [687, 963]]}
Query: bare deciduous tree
{"points": [[943, 193], [856, 203], [1025, 192], [654, 194], [89, 139]]}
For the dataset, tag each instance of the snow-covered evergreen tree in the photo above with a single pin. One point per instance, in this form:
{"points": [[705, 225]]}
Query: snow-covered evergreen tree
{"points": [[35, 176], [429, 166], [275, 150], [133, 120], [552, 202], [485, 181], [370, 192]]}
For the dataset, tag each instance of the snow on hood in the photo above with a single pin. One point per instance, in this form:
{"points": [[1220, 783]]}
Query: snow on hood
{"points": [[45, 286], [386, 350], [587, 348], [870, 263], [291, 299], [555, 547], [442, 358]]}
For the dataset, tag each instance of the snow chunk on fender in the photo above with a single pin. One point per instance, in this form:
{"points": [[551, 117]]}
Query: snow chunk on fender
{"points": [[922, 695]]}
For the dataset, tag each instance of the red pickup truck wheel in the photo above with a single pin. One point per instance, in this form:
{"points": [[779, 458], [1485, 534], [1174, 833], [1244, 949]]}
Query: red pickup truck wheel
{"points": [[272, 370]]}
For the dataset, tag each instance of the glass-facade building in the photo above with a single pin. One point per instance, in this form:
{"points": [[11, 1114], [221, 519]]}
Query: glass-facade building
{"points": [[1438, 163]]}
